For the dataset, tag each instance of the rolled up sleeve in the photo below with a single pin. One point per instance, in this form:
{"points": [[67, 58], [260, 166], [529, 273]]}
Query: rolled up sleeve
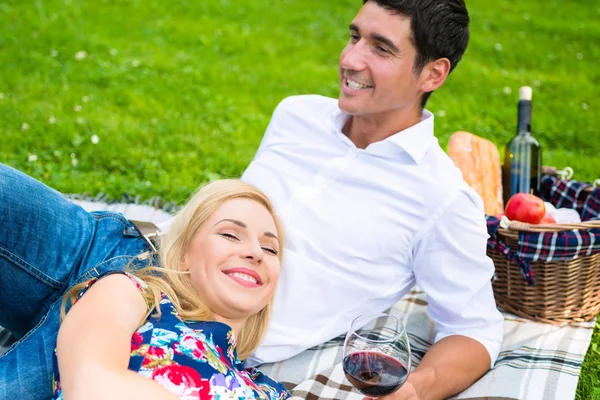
{"points": [[451, 266]]}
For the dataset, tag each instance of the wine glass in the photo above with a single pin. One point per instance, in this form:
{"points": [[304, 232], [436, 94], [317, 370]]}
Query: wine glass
{"points": [[377, 356]]}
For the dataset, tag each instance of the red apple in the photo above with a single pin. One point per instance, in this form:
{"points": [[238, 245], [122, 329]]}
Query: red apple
{"points": [[525, 207], [547, 219]]}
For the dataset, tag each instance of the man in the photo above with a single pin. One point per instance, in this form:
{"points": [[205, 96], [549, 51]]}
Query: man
{"points": [[371, 205]]}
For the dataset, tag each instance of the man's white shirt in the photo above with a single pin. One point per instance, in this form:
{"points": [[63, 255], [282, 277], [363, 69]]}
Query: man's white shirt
{"points": [[363, 226]]}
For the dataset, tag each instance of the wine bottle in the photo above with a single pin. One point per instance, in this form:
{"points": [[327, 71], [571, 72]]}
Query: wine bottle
{"points": [[523, 154]]}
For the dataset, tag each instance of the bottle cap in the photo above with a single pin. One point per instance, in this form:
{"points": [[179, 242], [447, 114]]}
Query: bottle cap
{"points": [[525, 93]]}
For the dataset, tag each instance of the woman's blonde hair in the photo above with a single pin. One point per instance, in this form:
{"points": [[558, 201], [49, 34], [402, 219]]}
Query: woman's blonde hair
{"points": [[170, 279]]}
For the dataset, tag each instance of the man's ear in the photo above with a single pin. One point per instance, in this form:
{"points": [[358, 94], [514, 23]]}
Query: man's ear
{"points": [[434, 74]]}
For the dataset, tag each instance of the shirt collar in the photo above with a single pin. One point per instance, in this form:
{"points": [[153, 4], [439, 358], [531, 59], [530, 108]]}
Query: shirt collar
{"points": [[414, 141]]}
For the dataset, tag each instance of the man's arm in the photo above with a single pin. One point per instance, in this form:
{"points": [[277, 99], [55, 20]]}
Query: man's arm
{"points": [[439, 375], [452, 267]]}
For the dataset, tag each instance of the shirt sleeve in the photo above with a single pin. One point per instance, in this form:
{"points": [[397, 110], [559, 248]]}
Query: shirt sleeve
{"points": [[451, 266]]}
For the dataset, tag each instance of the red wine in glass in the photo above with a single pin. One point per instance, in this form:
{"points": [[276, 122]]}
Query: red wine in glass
{"points": [[374, 374], [377, 357]]}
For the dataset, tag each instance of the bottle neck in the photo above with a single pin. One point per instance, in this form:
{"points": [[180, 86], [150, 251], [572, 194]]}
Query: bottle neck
{"points": [[524, 117]]}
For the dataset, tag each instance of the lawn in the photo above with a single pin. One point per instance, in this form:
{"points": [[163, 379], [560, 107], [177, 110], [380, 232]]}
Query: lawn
{"points": [[156, 97]]}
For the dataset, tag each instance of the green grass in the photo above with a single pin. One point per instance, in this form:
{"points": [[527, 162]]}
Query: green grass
{"points": [[589, 379], [180, 92]]}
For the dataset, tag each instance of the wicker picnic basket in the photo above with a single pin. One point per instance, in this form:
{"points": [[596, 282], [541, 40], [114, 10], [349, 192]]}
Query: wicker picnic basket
{"points": [[564, 291]]}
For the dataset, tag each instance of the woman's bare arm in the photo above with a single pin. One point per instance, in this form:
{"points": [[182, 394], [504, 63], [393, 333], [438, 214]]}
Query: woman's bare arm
{"points": [[94, 344]]}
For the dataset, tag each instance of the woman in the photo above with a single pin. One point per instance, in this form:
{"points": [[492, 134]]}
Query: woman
{"points": [[179, 329]]}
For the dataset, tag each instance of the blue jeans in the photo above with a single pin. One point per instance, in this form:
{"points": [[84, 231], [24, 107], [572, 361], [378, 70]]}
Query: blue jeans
{"points": [[47, 245]]}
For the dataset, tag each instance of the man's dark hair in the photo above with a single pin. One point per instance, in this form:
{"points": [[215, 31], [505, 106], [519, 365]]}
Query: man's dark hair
{"points": [[440, 28]]}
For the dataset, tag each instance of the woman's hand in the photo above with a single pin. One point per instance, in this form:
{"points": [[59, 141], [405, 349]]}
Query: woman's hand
{"points": [[406, 392]]}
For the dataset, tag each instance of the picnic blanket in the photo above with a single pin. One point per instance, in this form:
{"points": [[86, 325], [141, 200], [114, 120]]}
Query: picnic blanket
{"points": [[537, 361]]}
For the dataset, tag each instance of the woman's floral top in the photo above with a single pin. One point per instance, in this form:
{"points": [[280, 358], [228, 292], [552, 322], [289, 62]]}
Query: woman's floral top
{"points": [[194, 360]]}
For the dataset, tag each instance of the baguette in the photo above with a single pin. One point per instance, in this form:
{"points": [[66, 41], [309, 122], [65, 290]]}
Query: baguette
{"points": [[479, 161]]}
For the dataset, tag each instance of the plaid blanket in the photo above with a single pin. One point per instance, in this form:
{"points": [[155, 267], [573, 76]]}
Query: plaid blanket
{"points": [[537, 361], [552, 246]]}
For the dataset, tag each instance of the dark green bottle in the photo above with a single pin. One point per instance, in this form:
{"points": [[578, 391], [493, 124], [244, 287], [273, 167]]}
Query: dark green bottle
{"points": [[523, 155]]}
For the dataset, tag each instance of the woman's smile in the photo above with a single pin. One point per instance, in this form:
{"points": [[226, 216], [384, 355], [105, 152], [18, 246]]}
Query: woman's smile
{"points": [[244, 277]]}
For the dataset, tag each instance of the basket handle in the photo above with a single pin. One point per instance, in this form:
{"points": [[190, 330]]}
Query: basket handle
{"points": [[566, 173], [507, 224]]}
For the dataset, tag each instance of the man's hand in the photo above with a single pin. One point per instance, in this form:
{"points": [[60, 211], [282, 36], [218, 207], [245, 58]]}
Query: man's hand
{"points": [[406, 392], [444, 371]]}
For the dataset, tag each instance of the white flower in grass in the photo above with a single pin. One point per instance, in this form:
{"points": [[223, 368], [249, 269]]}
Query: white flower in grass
{"points": [[32, 158], [113, 52], [507, 90], [24, 126], [95, 139], [441, 113], [80, 120], [80, 55], [53, 53], [52, 120], [585, 106], [85, 99], [579, 56], [74, 162], [77, 108], [148, 183], [498, 46], [135, 63]]}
